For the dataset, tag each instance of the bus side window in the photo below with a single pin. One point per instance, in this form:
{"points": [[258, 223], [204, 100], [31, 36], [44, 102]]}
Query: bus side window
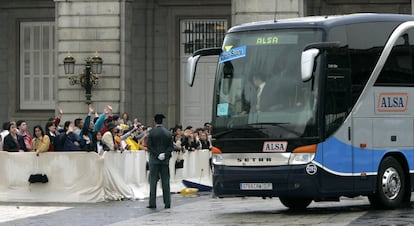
{"points": [[338, 89], [364, 48], [398, 69], [338, 98]]}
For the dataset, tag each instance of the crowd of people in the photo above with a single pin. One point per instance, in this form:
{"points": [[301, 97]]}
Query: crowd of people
{"points": [[109, 132], [98, 133]]}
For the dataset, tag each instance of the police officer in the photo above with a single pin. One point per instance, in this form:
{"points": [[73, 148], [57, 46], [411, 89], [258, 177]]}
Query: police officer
{"points": [[160, 146]]}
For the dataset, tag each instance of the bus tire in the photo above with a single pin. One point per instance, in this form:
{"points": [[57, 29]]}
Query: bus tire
{"points": [[390, 188], [295, 203]]}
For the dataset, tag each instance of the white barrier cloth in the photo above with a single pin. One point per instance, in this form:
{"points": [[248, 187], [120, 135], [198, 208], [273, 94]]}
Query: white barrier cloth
{"points": [[73, 177], [88, 177]]}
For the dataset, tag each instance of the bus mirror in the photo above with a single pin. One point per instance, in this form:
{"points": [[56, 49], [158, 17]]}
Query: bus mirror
{"points": [[193, 60], [307, 63], [191, 69]]}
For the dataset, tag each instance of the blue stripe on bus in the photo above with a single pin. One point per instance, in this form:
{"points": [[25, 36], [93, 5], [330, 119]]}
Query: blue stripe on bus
{"points": [[336, 157]]}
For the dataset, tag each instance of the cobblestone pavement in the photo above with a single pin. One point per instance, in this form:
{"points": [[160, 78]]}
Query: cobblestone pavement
{"points": [[102, 213], [201, 209]]}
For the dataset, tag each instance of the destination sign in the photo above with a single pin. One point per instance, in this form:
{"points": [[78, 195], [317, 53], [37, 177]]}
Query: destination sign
{"points": [[231, 54]]}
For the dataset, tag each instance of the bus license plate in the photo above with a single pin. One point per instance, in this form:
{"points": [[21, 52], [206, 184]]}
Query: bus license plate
{"points": [[256, 186]]}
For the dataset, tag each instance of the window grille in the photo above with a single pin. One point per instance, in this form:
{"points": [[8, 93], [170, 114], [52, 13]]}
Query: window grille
{"points": [[37, 65], [199, 34]]}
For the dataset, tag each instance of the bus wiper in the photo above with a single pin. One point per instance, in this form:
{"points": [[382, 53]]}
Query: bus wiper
{"points": [[280, 125], [220, 134], [223, 133], [268, 123]]}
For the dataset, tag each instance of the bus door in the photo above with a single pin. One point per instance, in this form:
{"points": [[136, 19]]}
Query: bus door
{"points": [[337, 149]]}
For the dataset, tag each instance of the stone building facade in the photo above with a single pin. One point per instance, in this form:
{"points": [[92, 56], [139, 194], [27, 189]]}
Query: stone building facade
{"points": [[141, 43]]}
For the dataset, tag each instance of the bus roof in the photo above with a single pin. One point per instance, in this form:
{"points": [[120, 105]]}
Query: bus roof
{"points": [[321, 21]]}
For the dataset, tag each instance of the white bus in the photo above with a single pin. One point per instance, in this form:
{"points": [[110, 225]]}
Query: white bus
{"points": [[315, 108]]}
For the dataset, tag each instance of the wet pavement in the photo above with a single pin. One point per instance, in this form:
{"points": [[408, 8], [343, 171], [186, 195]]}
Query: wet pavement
{"points": [[201, 209]]}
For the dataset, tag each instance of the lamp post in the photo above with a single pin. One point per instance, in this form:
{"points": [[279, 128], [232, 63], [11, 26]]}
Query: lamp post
{"points": [[88, 78]]}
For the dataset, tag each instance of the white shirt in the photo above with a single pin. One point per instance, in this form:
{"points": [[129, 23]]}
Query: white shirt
{"points": [[259, 93], [4, 133], [260, 89], [99, 147]]}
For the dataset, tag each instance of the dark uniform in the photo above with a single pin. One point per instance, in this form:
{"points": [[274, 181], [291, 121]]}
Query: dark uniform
{"points": [[159, 141]]}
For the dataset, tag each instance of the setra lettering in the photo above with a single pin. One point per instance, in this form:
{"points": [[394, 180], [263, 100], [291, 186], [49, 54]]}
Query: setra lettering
{"points": [[254, 160]]}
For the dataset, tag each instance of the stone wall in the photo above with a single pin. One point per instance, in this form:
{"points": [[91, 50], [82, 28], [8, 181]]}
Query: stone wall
{"points": [[11, 14], [84, 27], [337, 7], [155, 65], [244, 11]]}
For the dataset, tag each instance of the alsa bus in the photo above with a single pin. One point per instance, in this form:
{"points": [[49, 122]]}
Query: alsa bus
{"points": [[315, 108]]}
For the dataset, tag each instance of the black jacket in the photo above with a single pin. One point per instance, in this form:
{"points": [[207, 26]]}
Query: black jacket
{"points": [[159, 141], [11, 145]]}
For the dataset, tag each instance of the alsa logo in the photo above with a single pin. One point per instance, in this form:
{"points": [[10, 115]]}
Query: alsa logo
{"points": [[275, 146], [392, 102]]}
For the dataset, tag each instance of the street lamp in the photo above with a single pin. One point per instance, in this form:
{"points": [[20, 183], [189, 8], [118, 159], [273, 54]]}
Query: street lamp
{"points": [[88, 78]]}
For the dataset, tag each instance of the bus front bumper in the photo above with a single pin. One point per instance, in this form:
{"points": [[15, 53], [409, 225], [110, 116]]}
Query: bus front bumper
{"points": [[270, 181]]}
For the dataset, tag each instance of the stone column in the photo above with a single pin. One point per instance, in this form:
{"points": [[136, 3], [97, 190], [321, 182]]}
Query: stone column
{"points": [[244, 11], [412, 7], [82, 28]]}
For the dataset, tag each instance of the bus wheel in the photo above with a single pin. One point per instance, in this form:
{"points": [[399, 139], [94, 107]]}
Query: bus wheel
{"points": [[295, 203], [390, 189]]}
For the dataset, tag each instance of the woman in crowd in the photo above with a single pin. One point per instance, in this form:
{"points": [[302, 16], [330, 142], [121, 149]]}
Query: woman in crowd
{"points": [[191, 141], [14, 142], [125, 120], [86, 133], [40, 142], [97, 145], [204, 142], [50, 131], [108, 137], [177, 142]]}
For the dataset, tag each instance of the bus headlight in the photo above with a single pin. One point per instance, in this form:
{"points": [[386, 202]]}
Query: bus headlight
{"points": [[300, 158], [217, 159], [303, 154]]}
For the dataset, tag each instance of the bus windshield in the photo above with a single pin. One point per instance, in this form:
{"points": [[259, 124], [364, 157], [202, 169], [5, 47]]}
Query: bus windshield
{"points": [[258, 83]]}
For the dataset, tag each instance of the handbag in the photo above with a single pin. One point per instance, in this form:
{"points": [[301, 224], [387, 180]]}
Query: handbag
{"points": [[179, 163], [38, 177]]}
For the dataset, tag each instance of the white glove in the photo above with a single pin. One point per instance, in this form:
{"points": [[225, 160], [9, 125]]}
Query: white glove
{"points": [[161, 156]]}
